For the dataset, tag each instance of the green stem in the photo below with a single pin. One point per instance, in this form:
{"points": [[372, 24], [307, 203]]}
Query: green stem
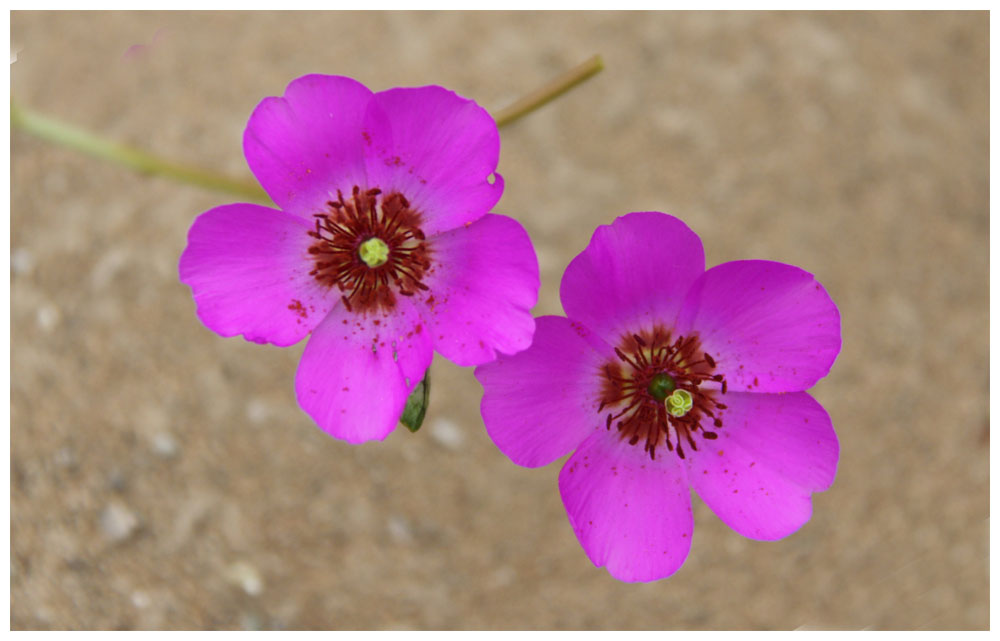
{"points": [[549, 92], [67, 135]]}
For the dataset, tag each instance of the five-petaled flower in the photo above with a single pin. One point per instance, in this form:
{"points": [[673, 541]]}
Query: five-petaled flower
{"points": [[663, 376], [382, 248]]}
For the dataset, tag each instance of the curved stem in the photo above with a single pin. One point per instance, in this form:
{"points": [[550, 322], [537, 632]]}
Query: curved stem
{"points": [[549, 92], [67, 135]]}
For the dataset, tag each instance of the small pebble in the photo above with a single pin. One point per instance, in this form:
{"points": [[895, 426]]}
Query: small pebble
{"points": [[22, 261], [140, 599], [118, 522], [447, 434], [164, 445], [47, 317], [257, 411], [247, 577]]}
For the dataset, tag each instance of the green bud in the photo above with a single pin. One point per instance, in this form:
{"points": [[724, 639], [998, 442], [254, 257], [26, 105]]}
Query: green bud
{"points": [[416, 404]]}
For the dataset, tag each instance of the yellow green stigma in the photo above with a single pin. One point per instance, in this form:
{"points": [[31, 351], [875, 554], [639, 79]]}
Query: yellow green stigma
{"points": [[374, 252], [679, 403]]}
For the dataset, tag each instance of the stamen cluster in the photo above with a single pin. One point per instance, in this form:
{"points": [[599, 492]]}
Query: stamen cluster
{"points": [[342, 263], [638, 391]]}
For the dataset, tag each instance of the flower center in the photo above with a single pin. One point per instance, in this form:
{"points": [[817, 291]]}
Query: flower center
{"points": [[656, 391], [374, 252], [370, 248]]}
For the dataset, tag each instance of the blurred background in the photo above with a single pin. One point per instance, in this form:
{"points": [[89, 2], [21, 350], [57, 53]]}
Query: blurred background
{"points": [[163, 477]]}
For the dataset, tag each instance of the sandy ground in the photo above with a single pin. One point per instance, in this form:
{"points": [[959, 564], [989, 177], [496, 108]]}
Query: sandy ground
{"points": [[163, 477]]}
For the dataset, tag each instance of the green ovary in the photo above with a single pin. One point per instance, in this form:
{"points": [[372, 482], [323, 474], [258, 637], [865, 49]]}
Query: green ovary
{"points": [[679, 403], [374, 252], [661, 386]]}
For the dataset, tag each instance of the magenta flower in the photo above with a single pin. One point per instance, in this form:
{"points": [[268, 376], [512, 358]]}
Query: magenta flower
{"points": [[665, 376], [382, 247]]}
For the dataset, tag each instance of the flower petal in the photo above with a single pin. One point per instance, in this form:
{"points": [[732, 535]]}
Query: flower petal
{"points": [[630, 513], [634, 272], [357, 371], [248, 269], [438, 149], [307, 144], [482, 286], [539, 404], [773, 452], [770, 327]]}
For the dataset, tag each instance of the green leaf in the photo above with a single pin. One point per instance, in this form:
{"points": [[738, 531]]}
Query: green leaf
{"points": [[416, 405]]}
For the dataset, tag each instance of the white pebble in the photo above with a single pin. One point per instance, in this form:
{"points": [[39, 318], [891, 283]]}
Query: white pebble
{"points": [[164, 445], [447, 434], [118, 522], [140, 599], [257, 411], [247, 577], [22, 261], [47, 317]]}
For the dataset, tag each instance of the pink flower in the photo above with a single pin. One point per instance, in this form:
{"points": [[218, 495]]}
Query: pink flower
{"points": [[382, 247], [665, 376]]}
